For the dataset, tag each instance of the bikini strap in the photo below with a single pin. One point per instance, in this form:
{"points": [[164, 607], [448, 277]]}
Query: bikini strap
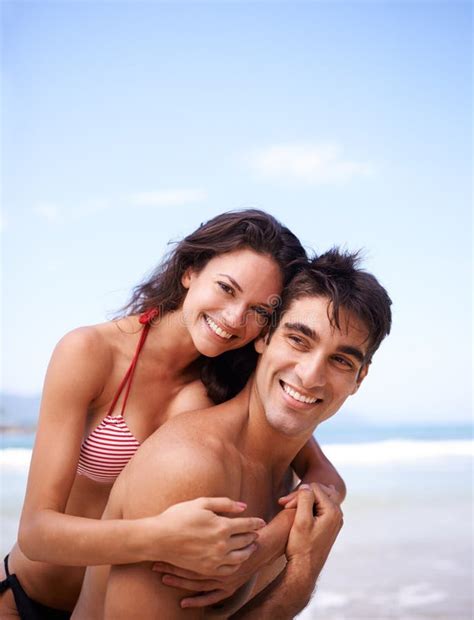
{"points": [[145, 319], [5, 563]]}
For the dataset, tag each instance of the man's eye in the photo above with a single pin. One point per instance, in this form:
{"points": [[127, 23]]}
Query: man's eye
{"points": [[343, 361], [296, 340], [226, 288]]}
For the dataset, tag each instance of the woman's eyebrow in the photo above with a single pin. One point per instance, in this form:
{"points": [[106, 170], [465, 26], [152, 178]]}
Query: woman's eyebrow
{"points": [[236, 284]]}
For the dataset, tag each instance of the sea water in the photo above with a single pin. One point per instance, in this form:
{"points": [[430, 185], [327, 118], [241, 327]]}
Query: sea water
{"points": [[405, 550]]}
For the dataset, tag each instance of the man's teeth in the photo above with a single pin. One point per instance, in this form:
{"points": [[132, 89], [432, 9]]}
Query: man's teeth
{"points": [[297, 396], [215, 328]]}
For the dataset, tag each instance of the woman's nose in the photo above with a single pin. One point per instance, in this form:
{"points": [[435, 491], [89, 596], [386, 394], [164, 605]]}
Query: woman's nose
{"points": [[234, 315]]}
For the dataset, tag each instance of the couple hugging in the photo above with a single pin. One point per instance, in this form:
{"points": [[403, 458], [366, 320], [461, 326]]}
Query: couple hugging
{"points": [[243, 346]]}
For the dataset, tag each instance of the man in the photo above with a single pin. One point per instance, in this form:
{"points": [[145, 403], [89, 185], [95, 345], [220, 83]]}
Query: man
{"points": [[333, 318]]}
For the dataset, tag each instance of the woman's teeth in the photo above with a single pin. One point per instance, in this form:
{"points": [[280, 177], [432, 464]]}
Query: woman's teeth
{"points": [[297, 396], [215, 328]]}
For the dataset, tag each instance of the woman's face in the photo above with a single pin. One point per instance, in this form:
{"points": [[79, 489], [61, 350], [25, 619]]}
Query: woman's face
{"points": [[230, 300]]}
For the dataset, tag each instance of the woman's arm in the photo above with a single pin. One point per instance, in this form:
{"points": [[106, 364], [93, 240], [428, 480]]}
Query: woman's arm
{"points": [[75, 378], [310, 541], [77, 373], [311, 465]]}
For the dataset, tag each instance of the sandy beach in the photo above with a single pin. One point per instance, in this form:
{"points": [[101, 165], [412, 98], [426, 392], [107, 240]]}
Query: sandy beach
{"points": [[405, 551]]}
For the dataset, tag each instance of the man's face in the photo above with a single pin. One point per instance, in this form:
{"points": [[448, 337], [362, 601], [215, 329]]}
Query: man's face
{"points": [[309, 367]]}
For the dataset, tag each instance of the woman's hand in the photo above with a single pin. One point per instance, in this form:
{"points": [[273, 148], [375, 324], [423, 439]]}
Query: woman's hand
{"points": [[290, 500], [272, 541], [210, 590], [194, 537]]}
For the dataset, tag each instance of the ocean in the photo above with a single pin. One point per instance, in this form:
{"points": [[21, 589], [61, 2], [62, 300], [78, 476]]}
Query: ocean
{"points": [[405, 550]]}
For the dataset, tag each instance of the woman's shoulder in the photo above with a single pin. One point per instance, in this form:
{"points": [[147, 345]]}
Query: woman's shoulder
{"points": [[89, 345], [86, 339], [191, 397]]}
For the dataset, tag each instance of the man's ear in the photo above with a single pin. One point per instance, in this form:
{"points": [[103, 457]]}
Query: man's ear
{"points": [[363, 372], [260, 343]]}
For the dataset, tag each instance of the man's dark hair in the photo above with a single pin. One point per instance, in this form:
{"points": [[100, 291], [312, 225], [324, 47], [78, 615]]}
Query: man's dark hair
{"points": [[336, 275]]}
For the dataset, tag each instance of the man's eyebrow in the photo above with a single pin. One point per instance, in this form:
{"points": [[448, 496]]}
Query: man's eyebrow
{"points": [[354, 351], [310, 333], [239, 288], [302, 328]]}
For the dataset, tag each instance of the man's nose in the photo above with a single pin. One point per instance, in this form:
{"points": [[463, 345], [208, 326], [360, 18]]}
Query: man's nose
{"points": [[312, 372]]}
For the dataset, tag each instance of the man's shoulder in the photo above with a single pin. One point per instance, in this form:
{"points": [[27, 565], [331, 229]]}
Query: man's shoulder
{"points": [[184, 438], [184, 459]]}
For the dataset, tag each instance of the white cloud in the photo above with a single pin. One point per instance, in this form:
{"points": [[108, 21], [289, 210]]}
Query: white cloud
{"points": [[89, 207], [47, 211], [312, 164], [165, 198]]}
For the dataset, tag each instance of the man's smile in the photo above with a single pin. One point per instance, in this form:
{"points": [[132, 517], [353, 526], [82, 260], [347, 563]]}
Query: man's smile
{"points": [[297, 397]]}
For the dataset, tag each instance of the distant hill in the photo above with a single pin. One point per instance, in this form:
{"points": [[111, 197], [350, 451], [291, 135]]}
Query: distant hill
{"points": [[18, 411]]}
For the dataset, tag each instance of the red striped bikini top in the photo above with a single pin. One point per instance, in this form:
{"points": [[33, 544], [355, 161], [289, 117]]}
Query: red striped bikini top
{"points": [[109, 447]]}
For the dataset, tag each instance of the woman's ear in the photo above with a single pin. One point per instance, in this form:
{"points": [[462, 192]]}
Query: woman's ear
{"points": [[260, 344], [186, 277]]}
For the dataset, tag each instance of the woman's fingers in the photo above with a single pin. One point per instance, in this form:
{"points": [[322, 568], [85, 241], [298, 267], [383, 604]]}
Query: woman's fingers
{"points": [[222, 504], [195, 585], [203, 600], [164, 567], [240, 555], [243, 525], [287, 498], [240, 541]]}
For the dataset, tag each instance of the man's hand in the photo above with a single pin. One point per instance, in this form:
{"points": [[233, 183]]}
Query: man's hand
{"points": [[317, 523]]}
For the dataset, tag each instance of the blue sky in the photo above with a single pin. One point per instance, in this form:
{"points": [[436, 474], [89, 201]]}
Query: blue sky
{"points": [[127, 124]]}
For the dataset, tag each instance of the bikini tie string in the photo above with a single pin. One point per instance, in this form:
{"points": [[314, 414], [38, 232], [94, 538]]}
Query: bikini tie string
{"points": [[148, 316]]}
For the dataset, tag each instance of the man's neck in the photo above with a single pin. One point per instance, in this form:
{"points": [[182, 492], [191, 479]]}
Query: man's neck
{"points": [[263, 444]]}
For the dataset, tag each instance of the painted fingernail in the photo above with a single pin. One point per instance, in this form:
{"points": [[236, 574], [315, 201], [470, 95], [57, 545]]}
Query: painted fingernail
{"points": [[304, 487], [242, 504]]}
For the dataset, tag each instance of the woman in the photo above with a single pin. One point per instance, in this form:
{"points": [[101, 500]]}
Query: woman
{"points": [[209, 299]]}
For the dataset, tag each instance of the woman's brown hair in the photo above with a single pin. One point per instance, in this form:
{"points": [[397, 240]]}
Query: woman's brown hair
{"points": [[225, 375]]}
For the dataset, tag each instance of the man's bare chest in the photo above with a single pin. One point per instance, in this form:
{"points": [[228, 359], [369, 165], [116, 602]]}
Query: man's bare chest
{"points": [[260, 490]]}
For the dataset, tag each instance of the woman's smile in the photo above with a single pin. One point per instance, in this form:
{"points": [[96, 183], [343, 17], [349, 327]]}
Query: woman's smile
{"points": [[217, 329]]}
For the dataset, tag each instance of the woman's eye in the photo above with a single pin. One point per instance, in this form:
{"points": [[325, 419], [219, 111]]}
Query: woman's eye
{"points": [[263, 313], [226, 288]]}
